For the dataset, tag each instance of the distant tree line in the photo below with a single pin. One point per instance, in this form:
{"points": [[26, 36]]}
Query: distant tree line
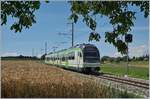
{"points": [[20, 57], [124, 58], [43, 57], [103, 59]]}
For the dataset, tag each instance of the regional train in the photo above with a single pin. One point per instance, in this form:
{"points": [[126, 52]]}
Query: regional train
{"points": [[82, 58]]}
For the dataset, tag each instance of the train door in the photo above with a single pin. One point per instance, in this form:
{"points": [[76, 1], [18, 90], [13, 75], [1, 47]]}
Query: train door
{"points": [[79, 60]]}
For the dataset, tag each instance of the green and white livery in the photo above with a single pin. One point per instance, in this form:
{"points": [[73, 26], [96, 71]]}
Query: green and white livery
{"points": [[83, 58]]}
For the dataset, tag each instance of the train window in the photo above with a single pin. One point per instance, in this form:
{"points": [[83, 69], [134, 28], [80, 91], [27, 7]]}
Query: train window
{"points": [[91, 54], [66, 57], [79, 54], [63, 58], [69, 57], [73, 57]]}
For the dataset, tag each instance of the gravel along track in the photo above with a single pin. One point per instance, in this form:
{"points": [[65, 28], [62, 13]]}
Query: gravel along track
{"points": [[139, 87], [126, 81]]}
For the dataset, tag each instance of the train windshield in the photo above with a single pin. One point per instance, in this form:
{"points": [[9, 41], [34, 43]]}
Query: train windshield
{"points": [[91, 56]]}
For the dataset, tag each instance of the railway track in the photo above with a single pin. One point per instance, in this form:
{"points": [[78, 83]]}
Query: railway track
{"points": [[125, 81]]}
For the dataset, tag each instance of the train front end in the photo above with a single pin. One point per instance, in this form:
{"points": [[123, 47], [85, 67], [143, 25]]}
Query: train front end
{"points": [[91, 58]]}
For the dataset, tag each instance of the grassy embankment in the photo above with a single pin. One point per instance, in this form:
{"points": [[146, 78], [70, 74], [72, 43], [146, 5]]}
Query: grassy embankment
{"points": [[34, 79], [137, 69]]}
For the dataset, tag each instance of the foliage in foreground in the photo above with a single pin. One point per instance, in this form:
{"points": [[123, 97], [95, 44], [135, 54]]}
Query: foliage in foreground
{"points": [[120, 14], [32, 79]]}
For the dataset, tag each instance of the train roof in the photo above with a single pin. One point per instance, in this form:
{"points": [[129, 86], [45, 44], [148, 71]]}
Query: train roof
{"points": [[82, 46]]}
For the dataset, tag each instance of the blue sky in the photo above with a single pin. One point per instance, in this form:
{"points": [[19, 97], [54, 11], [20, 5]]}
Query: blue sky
{"points": [[52, 18]]}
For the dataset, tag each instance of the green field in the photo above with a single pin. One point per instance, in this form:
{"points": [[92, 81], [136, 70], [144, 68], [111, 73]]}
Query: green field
{"points": [[138, 69]]}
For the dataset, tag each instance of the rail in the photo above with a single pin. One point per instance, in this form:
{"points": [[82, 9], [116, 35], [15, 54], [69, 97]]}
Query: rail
{"points": [[124, 81]]}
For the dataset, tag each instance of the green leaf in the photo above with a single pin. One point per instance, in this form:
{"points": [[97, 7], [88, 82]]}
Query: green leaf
{"points": [[94, 36]]}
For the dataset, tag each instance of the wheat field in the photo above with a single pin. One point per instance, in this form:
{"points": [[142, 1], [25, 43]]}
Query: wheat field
{"points": [[33, 79]]}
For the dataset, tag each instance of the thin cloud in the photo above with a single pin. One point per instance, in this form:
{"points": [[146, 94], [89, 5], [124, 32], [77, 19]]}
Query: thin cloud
{"points": [[136, 51], [140, 28], [117, 54], [9, 54]]}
